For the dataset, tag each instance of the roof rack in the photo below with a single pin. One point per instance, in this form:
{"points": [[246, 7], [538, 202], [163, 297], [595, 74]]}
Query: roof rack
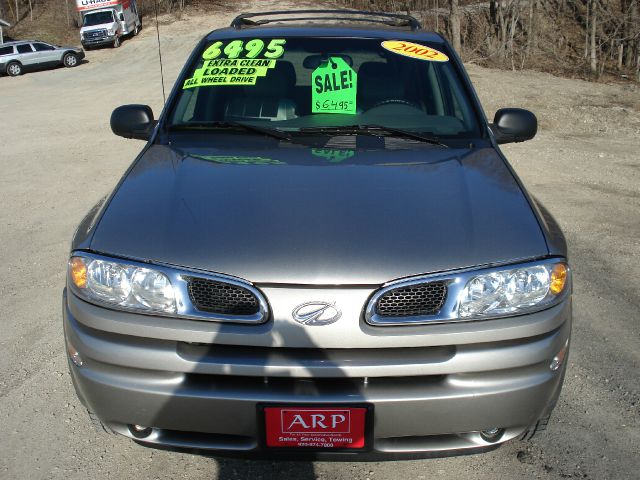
{"points": [[392, 19]]}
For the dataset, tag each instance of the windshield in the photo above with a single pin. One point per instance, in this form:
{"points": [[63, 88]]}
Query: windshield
{"points": [[97, 18], [321, 84]]}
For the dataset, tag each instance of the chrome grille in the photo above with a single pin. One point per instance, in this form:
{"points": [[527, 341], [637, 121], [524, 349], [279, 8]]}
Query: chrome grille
{"points": [[414, 300], [218, 297], [93, 34]]}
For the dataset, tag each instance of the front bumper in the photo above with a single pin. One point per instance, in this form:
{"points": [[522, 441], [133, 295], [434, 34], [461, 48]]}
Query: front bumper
{"points": [[430, 400], [93, 42]]}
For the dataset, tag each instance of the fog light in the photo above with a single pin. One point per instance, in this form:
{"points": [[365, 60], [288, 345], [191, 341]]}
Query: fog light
{"points": [[492, 434], [140, 431], [558, 360], [74, 355]]}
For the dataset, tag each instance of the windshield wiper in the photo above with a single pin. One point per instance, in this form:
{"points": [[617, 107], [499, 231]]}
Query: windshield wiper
{"points": [[408, 134], [373, 130], [271, 132]]}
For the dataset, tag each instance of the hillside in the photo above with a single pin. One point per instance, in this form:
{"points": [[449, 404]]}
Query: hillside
{"points": [[589, 39]]}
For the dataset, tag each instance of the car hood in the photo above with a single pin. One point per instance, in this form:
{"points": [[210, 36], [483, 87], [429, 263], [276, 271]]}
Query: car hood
{"points": [[298, 215]]}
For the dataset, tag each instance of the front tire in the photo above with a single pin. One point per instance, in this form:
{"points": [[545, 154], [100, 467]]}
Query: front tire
{"points": [[14, 69], [116, 42], [70, 60]]}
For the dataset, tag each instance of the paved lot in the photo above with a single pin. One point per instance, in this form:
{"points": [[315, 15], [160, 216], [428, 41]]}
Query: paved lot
{"points": [[58, 157]]}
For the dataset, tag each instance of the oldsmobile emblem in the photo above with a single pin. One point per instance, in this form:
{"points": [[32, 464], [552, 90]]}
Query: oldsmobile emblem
{"points": [[316, 314]]}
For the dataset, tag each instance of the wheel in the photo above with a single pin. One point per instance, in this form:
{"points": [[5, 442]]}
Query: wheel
{"points": [[14, 69], [116, 42], [70, 60]]}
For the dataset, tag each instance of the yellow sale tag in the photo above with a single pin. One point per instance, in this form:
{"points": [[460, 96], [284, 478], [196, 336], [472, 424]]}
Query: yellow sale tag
{"points": [[414, 50]]}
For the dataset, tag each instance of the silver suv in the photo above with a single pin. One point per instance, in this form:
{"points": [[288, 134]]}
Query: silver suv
{"points": [[320, 251], [17, 57]]}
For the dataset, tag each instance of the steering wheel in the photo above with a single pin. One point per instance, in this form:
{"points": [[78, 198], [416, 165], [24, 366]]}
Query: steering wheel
{"points": [[397, 101]]}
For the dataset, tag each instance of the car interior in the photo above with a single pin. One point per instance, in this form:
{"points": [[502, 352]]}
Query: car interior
{"points": [[412, 92]]}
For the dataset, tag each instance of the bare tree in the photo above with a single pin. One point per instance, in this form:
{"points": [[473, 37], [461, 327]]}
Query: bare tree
{"points": [[454, 24], [632, 33], [594, 53], [533, 23], [586, 31]]}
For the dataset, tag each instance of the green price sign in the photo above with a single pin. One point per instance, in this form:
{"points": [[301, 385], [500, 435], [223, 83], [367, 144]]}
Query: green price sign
{"points": [[335, 87], [236, 62]]}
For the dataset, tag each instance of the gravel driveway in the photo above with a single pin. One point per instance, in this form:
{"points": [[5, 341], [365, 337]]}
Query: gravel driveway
{"points": [[58, 157]]}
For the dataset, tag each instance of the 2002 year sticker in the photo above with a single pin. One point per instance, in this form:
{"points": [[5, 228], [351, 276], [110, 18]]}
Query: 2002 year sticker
{"points": [[414, 50]]}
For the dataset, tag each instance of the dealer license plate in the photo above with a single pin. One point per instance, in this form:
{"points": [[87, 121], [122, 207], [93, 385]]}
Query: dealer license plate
{"points": [[315, 427]]}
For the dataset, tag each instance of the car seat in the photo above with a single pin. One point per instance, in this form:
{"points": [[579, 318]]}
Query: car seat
{"points": [[268, 99]]}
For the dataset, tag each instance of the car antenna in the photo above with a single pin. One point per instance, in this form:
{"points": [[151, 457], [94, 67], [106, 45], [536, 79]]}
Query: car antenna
{"points": [[164, 97]]}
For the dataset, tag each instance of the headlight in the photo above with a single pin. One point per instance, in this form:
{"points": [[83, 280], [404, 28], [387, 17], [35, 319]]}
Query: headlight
{"points": [[110, 32], [513, 291], [120, 284]]}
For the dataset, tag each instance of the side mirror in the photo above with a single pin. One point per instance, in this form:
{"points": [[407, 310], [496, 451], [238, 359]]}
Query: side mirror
{"points": [[514, 125], [122, 17], [133, 121]]}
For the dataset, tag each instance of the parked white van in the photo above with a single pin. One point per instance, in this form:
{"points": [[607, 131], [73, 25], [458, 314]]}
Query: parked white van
{"points": [[104, 22]]}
